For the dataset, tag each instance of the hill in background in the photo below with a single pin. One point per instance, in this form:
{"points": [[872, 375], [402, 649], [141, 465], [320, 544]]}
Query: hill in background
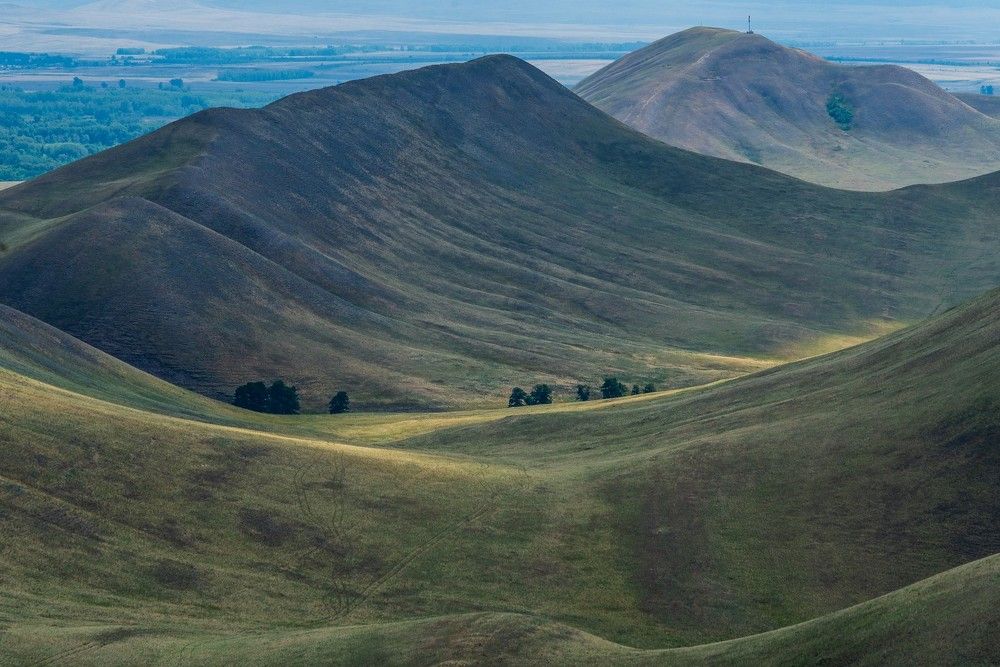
{"points": [[742, 97], [435, 237]]}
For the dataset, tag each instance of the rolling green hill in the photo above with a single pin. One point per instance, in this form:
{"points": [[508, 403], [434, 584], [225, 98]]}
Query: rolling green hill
{"points": [[742, 97], [944, 620], [434, 237], [638, 530]]}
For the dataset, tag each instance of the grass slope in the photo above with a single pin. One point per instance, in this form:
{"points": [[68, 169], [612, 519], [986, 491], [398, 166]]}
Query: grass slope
{"points": [[765, 501], [434, 237], [742, 97], [658, 522], [947, 619]]}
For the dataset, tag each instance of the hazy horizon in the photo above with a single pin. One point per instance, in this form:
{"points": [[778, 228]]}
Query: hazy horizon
{"points": [[59, 24]]}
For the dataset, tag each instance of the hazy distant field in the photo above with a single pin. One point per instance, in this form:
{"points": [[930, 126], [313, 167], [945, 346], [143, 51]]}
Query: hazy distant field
{"points": [[955, 67]]}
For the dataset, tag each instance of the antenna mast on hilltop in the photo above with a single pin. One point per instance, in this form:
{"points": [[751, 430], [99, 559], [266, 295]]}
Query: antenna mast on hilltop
{"points": [[749, 28]]}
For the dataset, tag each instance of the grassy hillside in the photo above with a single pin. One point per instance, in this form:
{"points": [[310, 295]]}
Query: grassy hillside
{"points": [[663, 521], [742, 97], [793, 492], [434, 237], [945, 620]]}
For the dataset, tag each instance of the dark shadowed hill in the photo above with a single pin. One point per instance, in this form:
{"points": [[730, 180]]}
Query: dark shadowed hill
{"points": [[743, 97], [433, 237]]}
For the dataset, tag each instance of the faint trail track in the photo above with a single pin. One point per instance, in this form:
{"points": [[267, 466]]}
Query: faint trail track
{"points": [[400, 567], [68, 653], [494, 492], [330, 527], [345, 602]]}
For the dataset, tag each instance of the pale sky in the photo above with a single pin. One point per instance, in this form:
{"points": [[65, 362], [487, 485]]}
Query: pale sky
{"points": [[573, 19]]}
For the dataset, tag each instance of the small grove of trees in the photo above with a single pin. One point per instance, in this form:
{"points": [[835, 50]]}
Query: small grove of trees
{"points": [[278, 399], [541, 394], [340, 403], [281, 399], [840, 110], [612, 388], [987, 89]]}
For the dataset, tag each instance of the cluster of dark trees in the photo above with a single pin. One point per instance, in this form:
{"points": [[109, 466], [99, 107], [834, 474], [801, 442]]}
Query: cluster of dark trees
{"points": [[175, 84], [840, 110], [278, 399], [613, 388], [281, 399], [542, 393], [987, 89], [246, 75], [340, 403]]}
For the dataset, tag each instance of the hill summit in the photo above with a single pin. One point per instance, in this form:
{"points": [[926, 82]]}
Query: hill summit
{"points": [[743, 97]]}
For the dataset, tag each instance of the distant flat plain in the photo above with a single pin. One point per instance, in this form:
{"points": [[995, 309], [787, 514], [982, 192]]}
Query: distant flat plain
{"points": [[961, 68]]}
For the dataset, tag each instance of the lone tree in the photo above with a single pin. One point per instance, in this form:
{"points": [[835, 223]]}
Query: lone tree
{"points": [[284, 399], [253, 396], [583, 392], [340, 403], [649, 388], [612, 388], [635, 390], [540, 395], [518, 398]]}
